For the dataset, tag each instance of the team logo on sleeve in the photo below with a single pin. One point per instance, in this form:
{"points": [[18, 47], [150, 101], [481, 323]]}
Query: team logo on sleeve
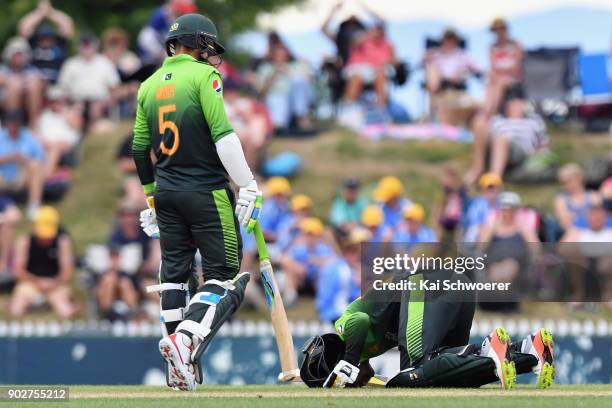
{"points": [[216, 84]]}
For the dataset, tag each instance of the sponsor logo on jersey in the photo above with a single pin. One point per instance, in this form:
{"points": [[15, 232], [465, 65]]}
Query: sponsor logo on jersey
{"points": [[216, 84]]}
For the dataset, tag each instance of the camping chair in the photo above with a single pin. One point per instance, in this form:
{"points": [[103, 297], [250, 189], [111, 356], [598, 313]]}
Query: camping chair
{"points": [[551, 74], [595, 108]]}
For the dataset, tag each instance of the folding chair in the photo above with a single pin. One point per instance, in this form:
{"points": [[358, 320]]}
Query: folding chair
{"points": [[595, 108]]}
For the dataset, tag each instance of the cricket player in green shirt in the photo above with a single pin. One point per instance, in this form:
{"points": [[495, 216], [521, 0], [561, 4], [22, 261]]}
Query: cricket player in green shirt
{"points": [[431, 333], [181, 117]]}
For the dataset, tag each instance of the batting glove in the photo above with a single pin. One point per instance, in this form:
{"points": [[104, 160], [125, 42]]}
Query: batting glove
{"points": [[248, 205], [148, 220], [344, 374]]}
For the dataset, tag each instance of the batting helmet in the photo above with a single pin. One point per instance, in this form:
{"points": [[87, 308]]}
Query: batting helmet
{"points": [[321, 354], [194, 31]]}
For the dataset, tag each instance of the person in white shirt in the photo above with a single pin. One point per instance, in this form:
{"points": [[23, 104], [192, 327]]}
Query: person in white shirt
{"points": [[90, 77]]}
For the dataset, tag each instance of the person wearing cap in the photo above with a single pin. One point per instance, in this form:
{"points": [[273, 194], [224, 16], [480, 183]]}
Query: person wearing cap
{"points": [[373, 219], [21, 161], [59, 127], [44, 267], [134, 262], [151, 37], [49, 32], [413, 231], [512, 137], [508, 242], [339, 279], [480, 207], [276, 207], [346, 209], [303, 261], [388, 194], [447, 69], [506, 67], [21, 83], [90, 78], [289, 229]]}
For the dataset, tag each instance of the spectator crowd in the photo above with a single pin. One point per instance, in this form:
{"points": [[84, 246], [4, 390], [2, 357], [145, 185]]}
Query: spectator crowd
{"points": [[50, 98]]}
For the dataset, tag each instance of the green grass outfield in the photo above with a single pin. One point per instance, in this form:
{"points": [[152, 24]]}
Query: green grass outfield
{"points": [[254, 396]]}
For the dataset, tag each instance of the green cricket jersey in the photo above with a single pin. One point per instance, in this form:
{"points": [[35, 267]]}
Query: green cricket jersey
{"points": [[181, 115], [368, 328]]}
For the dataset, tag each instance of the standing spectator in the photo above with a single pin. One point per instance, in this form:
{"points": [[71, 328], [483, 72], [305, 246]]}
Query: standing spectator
{"points": [[275, 207], [389, 195], [21, 161], [338, 284], [346, 209], [512, 138], [49, 43], [286, 86], [59, 128], [506, 62], [412, 231], [9, 219], [44, 266], [134, 259], [304, 260], [22, 83], [572, 205], [371, 55], [151, 39], [447, 71], [480, 207], [90, 78]]}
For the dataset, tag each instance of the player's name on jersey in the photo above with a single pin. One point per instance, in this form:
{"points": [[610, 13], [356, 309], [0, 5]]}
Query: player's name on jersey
{"points": [[440, 284]]}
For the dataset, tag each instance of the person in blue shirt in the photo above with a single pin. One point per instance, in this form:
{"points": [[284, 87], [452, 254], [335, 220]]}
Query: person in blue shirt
{"points": [[289, 228], [21, 161], [339, 279], [412, 231], [480, 207], [275, 207], [388, 194], [346, 209], [303, 261]]}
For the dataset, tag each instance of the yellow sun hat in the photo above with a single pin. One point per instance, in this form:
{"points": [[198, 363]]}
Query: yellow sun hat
{"points": [[278, 186], [300, 202], [388, 187], [415, 212], [372, 216], [46, 223], [488, 180], [312, 225]]}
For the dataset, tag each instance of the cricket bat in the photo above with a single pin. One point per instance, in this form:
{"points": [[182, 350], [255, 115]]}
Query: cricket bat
{"points": [[284, 340]]}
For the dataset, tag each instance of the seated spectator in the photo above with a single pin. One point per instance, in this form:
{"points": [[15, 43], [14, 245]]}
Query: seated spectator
{"points": [[346, 209], [90, 78], [9, 219], [115, 45], [134, 263], [455, 201], [371, 56], [59, 128], [347, 31], [21, 162], [508, 241], [275, 206], [373, 218], [506, 72], [588, 251], [151, 38], [388, 194], [289, 230], [481, 206], [22, 84], [572, 205], [605, 190], [512, 138], [303, 261], [339, 279], [447, 71], [412, 231], [49, 42], [286, 87], [44, 266]]}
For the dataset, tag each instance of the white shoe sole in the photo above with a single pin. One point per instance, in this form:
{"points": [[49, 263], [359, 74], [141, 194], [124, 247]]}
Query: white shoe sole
{"points": [[180, 376]]}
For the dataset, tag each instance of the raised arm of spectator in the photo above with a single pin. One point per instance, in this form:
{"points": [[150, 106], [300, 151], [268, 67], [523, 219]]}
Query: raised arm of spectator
{"points": [[380, 19], [65, 259], [325, 27], [29, 22]]}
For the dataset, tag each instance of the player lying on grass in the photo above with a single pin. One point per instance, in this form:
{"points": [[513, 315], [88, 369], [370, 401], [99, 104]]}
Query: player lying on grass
{"points": [[431, 331], [181, 116]]}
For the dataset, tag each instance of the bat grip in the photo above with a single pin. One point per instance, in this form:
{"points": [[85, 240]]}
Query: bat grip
{"points": [[261, 242]]}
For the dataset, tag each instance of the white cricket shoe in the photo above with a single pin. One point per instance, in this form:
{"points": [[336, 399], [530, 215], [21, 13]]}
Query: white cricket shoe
{"points": [[176, 350]]}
